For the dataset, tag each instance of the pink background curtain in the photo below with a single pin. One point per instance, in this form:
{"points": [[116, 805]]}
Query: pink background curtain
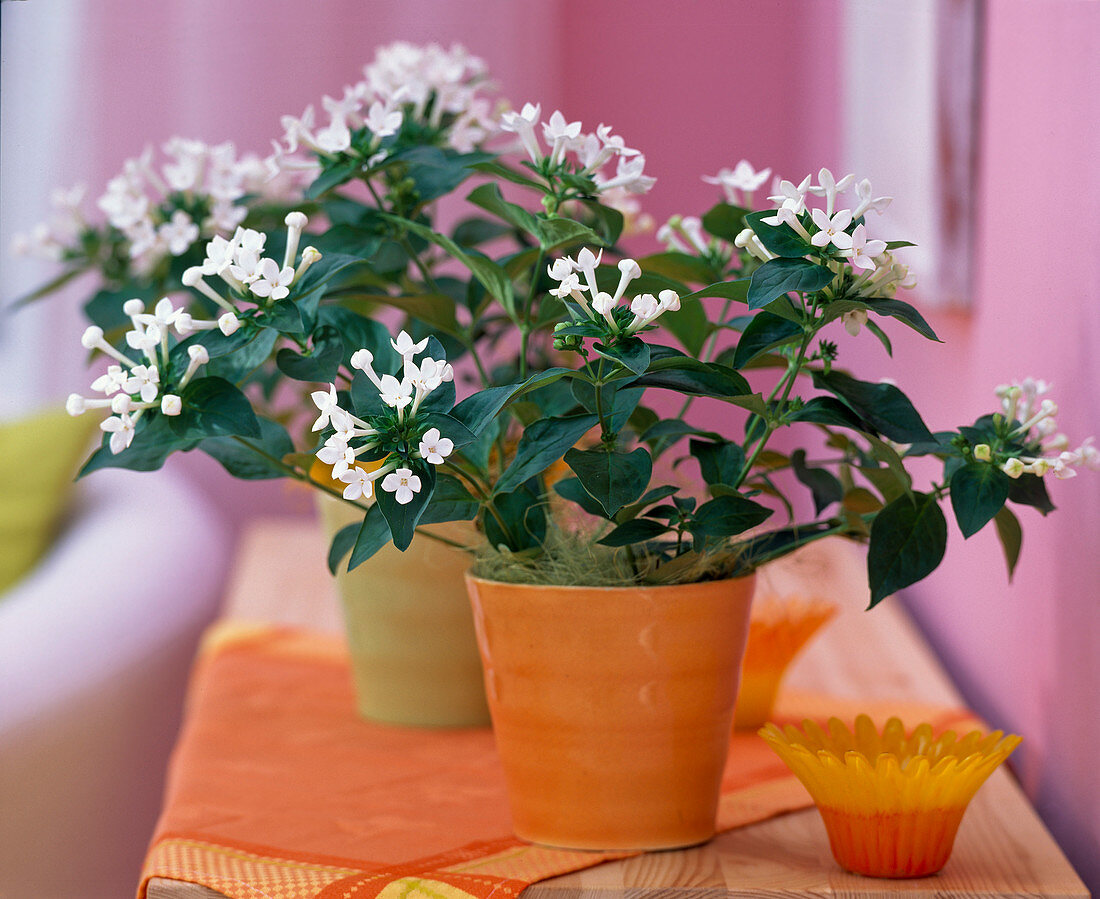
{"points": [[696, 90]]}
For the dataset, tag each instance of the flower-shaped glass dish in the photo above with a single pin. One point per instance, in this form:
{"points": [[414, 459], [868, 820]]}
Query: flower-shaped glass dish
{"points": [[779, 628], [891, 801]]}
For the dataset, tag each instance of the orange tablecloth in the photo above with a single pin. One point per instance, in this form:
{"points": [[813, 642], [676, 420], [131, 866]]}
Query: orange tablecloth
{"points": [[278, 790]]}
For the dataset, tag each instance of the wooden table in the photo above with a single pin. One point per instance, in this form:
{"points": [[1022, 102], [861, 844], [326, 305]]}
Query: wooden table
{"points": [[1002, 848]]}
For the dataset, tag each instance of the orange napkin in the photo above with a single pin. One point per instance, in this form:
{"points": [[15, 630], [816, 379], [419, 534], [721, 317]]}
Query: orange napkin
{"points": [[277, 789]]}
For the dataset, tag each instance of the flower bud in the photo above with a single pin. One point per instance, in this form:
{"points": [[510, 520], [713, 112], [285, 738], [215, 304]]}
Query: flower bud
{"points": [[75, 404], [982, 452], [171, 404], [199, 354], [133, 307], [228, 324], [121, 403], [92, 337], [296, 220]]}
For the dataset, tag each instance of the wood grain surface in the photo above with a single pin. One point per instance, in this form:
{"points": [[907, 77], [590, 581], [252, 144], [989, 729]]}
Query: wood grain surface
{"points": [[1002, 849]]}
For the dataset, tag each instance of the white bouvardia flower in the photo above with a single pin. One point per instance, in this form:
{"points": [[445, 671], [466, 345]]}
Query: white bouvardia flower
{"points": [[434, 447], [403, 484]]}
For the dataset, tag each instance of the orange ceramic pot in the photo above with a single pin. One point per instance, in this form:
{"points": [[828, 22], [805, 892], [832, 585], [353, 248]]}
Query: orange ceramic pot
{"points": [[612, 706]]}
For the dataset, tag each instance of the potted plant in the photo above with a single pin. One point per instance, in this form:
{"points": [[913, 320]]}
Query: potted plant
{"points": [[605, 422]]}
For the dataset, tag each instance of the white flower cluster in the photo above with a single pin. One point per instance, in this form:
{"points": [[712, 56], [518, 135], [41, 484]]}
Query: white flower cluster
{"points": [[880, 273], [741, 179], [130, 388], [646, 307], [1021, 402], [144, 202], [405, 395], [403, 80], [592, 151], [240, 263]]}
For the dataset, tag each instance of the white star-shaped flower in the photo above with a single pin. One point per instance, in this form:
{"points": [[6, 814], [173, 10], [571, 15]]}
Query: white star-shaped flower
{"points": [[403, 484], [394, 393], [434, 447], [271, 281], [144, 380], [863, 251], [360, 484], [112, 381], [832, 229], [405, 347], [121, 429]]}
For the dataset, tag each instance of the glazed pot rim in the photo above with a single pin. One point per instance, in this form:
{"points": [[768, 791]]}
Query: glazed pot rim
{"points": [[608, 590]]}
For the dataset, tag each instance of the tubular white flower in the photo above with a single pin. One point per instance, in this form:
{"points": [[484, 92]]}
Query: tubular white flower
{"points": [[854, 320], [403, 484], [360, 484], [220, 254], [667, 235], [829, 187], [192, 277], [394, 393], [523, 124], [863, 192], [310, 255], [603, 303], [862, 253], [327, 403], [338, 454], [629, 270], [271, 282], [171, 404], [295, 223], [198, 356], [406, 348], [559, 134], [692, 227], [92, 339], [586, 264], [645, 308]]}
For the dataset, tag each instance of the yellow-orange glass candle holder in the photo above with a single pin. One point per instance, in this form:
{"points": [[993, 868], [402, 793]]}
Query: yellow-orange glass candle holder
{"points": [[779, 628], [891, 802]]}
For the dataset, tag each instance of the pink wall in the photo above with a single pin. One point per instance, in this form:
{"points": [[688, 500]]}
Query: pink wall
{"points": [[1026, 654]]}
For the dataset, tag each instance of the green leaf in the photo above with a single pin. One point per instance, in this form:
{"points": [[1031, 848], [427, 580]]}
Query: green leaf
{"points": [[543, 443], [726, 516], [777, 277], [451, 501], [885, 453], [524, 516], [256, 458], [212, 407], [492, 277], [763, 333], [608, 221], [478, 409], [978, 492], [887, 482], [824, 486], [318, 367], [105, 307], [332, 176], [629, 352], [1011, 536], [637, 530], [903, 312], [571, 489], [727, 290], [557, 232], [1029, 490], [688, 324], [725, 221], [882, 406], [881, 335], [433, 309], [680, 267], [825, 410], [473, 231], [374, 533], [342, 542], [614, 479], [436, 172], [672, 429], [779, 239], [489, 198], [404, 517], [687, 375], [356, 331], [908, 541], [720, 463], [502, 171]]}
